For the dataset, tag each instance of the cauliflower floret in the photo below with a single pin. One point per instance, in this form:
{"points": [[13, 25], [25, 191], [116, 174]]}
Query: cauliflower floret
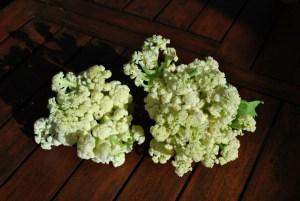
{"points": [[160, 152], [197, 114], [92, 113]]}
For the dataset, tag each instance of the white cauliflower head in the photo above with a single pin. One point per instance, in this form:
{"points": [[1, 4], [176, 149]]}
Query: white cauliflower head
{"points": [[196, 111], [92, 113]]}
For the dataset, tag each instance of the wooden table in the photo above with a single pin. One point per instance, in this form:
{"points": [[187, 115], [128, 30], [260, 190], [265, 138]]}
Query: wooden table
{"points": [[256, 42]]}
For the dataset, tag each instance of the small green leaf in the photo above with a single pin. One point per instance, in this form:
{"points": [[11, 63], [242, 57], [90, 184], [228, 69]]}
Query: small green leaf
{"points": [[235, 124], [248, 108], [245, 108]]}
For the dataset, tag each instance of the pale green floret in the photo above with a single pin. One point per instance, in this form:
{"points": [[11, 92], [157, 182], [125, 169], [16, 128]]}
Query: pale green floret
{"points": [[198, 115], [92, 113]]}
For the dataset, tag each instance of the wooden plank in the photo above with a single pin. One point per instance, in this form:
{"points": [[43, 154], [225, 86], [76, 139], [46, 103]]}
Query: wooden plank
{"points": [[41, 175], [280, 56], [92, 27], [276, 176], [13, 132], [239, 77], [146, 8], [262, 84], [23, 120], [37, 70], [129, 22], [101, 182], [181, 13], [16, 136], [23, 42], [226, 182], [244, 39], [118, 4], [153, 182], [216, 18], [12, 158], [14, 16]]}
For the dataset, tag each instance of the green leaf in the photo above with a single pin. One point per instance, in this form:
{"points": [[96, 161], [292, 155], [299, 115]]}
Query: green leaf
{"points": [[245, 108], [235, 124], [248, 108]]}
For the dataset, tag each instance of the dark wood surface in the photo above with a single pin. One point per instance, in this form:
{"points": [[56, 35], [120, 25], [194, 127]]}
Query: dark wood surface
{"points": [[256, 42]]}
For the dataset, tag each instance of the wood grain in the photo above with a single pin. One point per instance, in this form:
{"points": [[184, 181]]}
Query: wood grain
{"points": [[276, 176], [19, 129], [11, 155], [23, 42], [14, 16], [280, 58], [142, 26], [181, 13], [101, 182], [236, 75], [146, 8], [243, 41], [41, 175], [20, 152], [262, 84], [216, 18], [37, 70], [118, 4], [153, 182]]}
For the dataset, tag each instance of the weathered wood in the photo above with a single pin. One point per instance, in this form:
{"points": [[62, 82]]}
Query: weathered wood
{"points": [[23, 42], [26, 117], [41, 175], [244, 39], [14, 148], [280, 56], [226, 182], [216, 18], [181, 13], [20, 152], [146, 8], [95, 28], [15, 15], [118, 4], [262, 84], [129, 22], [276, 176], [15, 131], [101, 182], [153, 182], [37, 70], [236, 75], [16, 135]]}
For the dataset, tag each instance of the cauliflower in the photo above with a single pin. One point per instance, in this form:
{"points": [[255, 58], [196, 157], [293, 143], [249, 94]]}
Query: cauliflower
{"points": [[198, 115], [92, 113]]}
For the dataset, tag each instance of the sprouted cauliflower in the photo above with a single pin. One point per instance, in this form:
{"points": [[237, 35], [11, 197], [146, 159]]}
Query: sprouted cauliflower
{"points": [[92, 113], [198, 115]]}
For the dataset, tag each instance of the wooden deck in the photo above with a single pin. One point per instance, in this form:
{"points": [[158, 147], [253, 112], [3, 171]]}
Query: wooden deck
{"points": [[256, 42]]}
